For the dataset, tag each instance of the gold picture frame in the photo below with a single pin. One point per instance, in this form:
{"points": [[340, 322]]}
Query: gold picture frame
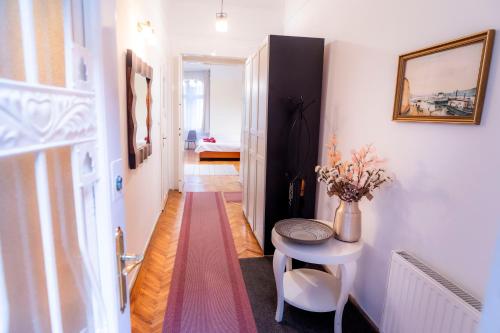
{"points": [[444, 83]]}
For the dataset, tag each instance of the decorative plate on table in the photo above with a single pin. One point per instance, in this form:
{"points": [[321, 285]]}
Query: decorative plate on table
{"points": [[304, 231]]}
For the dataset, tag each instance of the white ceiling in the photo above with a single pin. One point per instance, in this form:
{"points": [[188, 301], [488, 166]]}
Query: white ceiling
{"points": [[191, 26], [256, 4], [191, 66]]}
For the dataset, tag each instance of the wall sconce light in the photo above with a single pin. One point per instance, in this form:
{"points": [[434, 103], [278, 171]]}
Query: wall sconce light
{"points": [[145, 28], [221, 19]]}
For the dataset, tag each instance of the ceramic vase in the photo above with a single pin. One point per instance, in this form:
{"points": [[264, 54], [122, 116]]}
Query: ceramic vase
{"points": [[347, 225]]}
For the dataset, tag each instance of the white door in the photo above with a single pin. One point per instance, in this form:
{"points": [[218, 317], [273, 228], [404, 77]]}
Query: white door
{"points": [[180, 100], [164, 125], [58, 264]]}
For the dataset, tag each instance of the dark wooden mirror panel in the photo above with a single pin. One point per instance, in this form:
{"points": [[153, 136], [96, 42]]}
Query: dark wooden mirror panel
{"points": [[139, 79]]}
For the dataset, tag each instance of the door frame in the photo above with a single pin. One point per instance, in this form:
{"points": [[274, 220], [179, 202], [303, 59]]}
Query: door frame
{"points": [[110, 204], [165, 136], [179, 95], [180, 123]]}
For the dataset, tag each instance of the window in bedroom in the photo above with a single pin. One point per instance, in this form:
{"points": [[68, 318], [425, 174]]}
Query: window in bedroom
{"points": [[196, 102]]}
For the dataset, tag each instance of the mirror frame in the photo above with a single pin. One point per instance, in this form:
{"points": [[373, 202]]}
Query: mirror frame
{"points": [[134, 64]]}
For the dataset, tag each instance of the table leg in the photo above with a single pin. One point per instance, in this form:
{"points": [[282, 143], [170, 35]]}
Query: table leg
{"points": [[289, 264], [279, 262], [347, 274]]}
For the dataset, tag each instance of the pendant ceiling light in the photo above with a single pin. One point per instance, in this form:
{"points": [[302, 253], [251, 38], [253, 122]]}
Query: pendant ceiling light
{"points": [[221, 19]]}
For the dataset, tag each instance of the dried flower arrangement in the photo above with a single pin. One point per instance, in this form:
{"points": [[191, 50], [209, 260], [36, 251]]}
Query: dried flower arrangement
{"points": [[353, 179]]}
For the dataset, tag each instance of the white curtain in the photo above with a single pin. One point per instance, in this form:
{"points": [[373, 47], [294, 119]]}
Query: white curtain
{"points": [[196, 87]]}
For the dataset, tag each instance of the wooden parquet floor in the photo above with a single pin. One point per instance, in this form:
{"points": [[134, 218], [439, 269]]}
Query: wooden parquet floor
{"points": [[149, 296]]}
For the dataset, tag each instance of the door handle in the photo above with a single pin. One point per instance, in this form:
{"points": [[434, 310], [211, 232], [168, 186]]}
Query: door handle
{"points": [[122, 268], [132, 257], [137, 260]]}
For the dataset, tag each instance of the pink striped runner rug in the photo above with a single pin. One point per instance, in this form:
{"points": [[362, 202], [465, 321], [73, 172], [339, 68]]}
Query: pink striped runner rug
{"points": [[207, 291]]}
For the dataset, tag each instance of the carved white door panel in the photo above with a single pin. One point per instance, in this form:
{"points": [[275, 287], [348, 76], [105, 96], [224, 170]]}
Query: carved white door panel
{"points": [[56, 234]]}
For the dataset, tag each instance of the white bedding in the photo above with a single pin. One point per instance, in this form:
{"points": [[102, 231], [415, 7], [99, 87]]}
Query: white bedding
{"points": [[219, 146]]}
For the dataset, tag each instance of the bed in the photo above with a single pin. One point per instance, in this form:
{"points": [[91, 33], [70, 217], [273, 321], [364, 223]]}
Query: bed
{"points": [[220, 150]]}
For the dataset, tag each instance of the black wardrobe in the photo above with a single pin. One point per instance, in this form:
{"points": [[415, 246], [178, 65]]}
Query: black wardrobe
{"points": [[280, 135]]}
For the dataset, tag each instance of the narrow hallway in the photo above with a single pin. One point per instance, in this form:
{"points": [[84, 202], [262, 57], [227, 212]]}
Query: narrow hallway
{"points": [[262, 166], [150, 293]]}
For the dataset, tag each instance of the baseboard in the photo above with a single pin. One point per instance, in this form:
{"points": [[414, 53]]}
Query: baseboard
{"points": [[363, 313], [333, 269], [137, 272], [164, 202]]}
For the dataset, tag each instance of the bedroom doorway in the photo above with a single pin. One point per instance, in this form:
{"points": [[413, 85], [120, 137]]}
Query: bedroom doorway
{"points": [[212, 102]]}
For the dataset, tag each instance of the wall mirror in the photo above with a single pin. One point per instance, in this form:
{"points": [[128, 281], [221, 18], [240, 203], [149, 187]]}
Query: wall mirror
{"points": [[139, 100]]}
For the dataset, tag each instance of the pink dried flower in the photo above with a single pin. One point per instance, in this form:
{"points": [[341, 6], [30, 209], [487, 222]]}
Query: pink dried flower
{"points": [[334, 157], [352, 179], [332, 142]]}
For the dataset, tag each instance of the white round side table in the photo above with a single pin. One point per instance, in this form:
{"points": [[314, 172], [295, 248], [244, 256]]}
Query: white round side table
{"points": [[310, 289]]}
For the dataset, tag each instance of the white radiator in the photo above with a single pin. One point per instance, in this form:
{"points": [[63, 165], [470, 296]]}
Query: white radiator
{"points": [[420, 300]]}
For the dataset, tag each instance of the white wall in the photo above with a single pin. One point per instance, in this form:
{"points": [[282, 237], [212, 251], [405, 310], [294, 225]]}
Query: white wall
{"points": [[490, 321], [226, 101], [142, 186], [443, 206]]}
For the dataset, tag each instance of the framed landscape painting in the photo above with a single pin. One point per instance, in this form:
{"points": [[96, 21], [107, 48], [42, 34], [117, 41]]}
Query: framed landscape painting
{"points": [[445, 82]]}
